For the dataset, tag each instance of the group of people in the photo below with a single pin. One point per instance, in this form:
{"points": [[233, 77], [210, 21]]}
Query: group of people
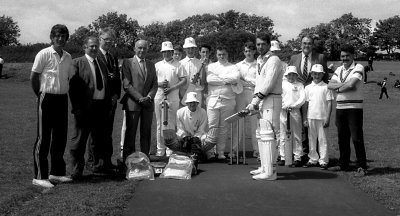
{"points": [[191, 98]]}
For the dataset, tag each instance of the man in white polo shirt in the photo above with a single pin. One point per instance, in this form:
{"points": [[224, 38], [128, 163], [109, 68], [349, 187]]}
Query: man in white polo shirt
{"points": [[171, 76], [347, 82], [50, 75]]}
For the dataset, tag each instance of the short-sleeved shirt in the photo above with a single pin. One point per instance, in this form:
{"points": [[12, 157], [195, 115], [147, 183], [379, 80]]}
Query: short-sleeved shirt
{"points": [[54, 71], [350, 99], [171, 71], [318, 96]]}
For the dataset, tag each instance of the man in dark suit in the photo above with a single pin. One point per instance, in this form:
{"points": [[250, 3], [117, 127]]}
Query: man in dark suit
{"points": [[139, 81], [90, 98], [303, 62], [107, 37]]}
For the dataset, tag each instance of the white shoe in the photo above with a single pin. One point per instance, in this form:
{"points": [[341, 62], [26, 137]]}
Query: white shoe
{"points": [[168, 152], [232, 155], [257, 171], [221, 156], [61, 179], [42, 183], [160, 152], [265, 176]]}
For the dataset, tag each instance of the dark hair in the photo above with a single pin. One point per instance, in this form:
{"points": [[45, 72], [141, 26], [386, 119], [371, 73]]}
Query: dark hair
{"points": [[178, 48], [206, 46], [347, 48], [221, 47], [59, 28], [308, 36], [250, 45], [86, 41], [265, 37]]}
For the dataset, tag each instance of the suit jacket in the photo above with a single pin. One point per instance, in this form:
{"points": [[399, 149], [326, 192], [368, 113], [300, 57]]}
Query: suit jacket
{"points": [[136, 85], [316, 58], [114, 78], [82, 84]]}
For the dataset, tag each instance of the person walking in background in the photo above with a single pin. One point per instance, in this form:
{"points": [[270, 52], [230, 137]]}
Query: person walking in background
{"points": [[383, 88], [347, 82], [1, 66], [170, 77], [366, 70], [317, 110], [370, 62], [139, 81], [90, 94], [50, 76]]}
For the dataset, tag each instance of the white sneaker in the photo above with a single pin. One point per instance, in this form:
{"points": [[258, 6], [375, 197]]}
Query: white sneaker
{"points": [[232, 155], [257, 171], [221, 156], [61, 179], [42, 183], [160, 152], [168, 152], [265, 176]]}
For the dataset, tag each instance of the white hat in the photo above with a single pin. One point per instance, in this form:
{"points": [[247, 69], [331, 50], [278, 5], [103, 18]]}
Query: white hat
{"points": [[290, 69], [191, 97], [167, 46], [317, 68], [274, 45], [189, 42]]}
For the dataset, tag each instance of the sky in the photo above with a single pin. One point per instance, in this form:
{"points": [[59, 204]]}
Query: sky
{"points": [[36, 17]]}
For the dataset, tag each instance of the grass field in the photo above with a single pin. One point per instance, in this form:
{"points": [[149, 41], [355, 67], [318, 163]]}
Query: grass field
{"points": [[109, 195]]}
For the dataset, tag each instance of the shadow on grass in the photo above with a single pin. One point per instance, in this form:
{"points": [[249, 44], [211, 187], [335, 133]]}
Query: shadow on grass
{"points": [[306, 175], [383, 171]]}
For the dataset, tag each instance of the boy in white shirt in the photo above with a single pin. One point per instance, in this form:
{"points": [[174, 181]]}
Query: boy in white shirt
{"points": [[318, 109], [293, 97]]}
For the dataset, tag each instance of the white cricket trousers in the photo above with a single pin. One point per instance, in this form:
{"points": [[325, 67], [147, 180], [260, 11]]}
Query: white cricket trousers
{"points": [[316, 131], [296, 126], [173, 108], [242, 100], [216, 119]]}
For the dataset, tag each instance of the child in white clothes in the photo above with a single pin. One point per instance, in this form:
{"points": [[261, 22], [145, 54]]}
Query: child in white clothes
{"points": [[318, 110], [293, 97]]}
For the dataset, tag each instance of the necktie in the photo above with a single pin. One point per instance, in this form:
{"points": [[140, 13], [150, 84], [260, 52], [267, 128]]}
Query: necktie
{"points": [[99, 79], [143, 67], [109, 61], [305, 69]]}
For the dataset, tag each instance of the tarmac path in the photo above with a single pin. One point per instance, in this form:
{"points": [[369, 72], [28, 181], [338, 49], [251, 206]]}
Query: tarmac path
{"points": [[222, 189]]}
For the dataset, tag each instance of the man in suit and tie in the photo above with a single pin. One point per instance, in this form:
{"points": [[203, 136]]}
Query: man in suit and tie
{"points": [[303, 62], [139, 81], [107, 37], [90, 98]]}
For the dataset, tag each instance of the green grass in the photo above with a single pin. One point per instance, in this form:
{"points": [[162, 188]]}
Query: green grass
{"points": [[99, 195]]}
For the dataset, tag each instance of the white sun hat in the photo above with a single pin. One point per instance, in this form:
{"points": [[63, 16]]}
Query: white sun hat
{"points": [[167, 46], [290, 69], [275, 45], [191, 97], [317, 68], [189, 42]]}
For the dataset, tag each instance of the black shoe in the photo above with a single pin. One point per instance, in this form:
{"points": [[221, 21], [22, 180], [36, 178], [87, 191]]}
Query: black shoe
{"points": [[281, 163], [338, 168], [296, 163], [76, 177], [324, 167], [309, 164]]}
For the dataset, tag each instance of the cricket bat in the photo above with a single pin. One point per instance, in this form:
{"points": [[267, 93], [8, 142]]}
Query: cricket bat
{"points": [[237, 116]]}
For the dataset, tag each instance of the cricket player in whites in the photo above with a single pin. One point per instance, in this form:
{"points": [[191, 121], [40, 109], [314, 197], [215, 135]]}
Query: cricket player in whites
{"points": [[268, 100]]}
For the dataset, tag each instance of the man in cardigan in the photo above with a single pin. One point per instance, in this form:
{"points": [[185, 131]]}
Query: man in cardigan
{"points": [[347, 82]]}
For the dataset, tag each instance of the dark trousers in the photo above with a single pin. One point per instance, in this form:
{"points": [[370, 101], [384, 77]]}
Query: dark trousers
{"points": [[1, 70], [89, 122], [349, 123], [108, 148], [383, 91], [52, 128], [132, 119]]}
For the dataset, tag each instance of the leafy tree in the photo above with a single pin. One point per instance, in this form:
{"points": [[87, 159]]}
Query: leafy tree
{"points": [[80, 34], [126, 29], [9, 31], [387, 34]]}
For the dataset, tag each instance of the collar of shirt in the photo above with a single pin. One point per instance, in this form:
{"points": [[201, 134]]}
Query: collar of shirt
{"points": [[169, 62], [352, 66], [254, 62], [263, 59], [139, 59], [304, 55], [55, 52], [103, 51], [89, 58], [317, 84]]}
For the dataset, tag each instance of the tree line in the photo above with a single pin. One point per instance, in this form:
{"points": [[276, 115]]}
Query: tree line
{"points": [[231, 29]]}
